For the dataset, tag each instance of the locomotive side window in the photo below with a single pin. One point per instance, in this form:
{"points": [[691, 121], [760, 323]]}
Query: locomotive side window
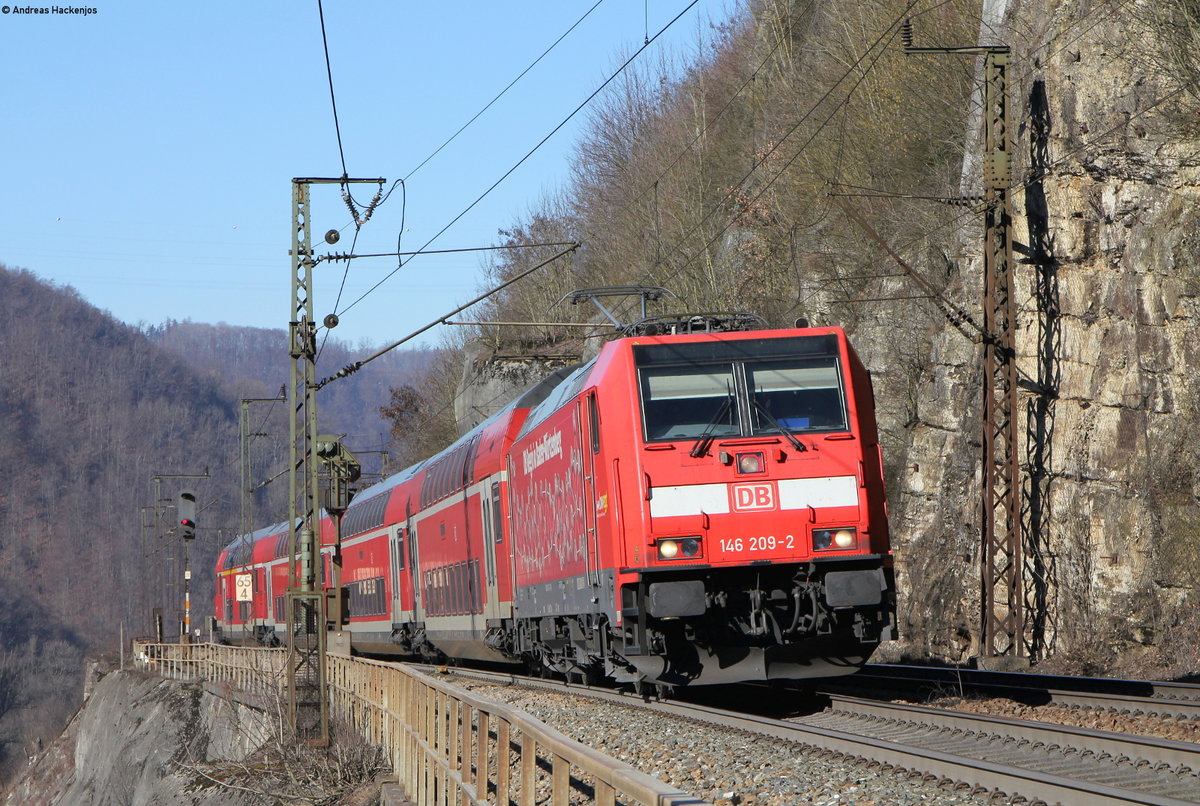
{"points": [[594, 422], [804, 395], [689, 402]]}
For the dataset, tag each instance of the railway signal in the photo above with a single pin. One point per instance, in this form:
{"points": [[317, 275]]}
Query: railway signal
{"points": [[185, 509]]}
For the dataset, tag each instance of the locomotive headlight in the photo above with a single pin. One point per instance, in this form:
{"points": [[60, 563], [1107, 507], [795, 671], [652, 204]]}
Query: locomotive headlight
{"points": [[832, 539], [677, 548], [749, 463]]}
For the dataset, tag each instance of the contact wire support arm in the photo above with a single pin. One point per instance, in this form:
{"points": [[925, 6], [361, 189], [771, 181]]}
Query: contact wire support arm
{"points": [[350, 369]]}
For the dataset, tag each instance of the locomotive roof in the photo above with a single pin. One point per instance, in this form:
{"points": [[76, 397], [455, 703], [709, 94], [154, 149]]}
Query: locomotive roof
{"points": [[556, 397], [533, 395]]}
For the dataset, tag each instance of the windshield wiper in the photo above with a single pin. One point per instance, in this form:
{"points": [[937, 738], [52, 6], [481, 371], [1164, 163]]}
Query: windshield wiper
{"points": [[797, 444], [701, 447]]}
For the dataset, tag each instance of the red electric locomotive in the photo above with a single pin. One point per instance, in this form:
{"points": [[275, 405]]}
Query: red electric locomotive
{"points": [[683, 509]]}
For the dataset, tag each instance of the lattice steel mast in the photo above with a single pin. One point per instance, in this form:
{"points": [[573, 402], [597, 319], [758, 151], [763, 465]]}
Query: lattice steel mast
{"points": [[1002, 602], [307, 703]]}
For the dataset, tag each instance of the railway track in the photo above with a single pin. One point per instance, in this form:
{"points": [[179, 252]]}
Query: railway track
{"points": [[1037, 762], [1125, 696]]}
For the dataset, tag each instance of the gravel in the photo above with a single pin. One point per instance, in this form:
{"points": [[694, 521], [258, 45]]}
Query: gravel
{"points": [[726, 767], [1162, 727]]}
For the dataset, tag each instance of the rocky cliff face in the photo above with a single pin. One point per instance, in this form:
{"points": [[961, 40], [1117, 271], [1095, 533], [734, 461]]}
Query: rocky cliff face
{"points": [[492, 376], [139, 740], [1105, 217]]}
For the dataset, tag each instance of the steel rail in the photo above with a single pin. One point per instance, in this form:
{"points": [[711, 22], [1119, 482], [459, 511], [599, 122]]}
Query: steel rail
{"points": [[1125, 696], [1112, 685], [946, 767], [1088, 740]]}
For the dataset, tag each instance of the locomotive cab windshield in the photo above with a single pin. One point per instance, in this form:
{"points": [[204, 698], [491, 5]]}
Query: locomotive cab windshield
{"points": [[742, 388]]}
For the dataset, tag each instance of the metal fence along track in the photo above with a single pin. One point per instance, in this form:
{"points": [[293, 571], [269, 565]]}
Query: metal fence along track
{"points": [[447, 746]]}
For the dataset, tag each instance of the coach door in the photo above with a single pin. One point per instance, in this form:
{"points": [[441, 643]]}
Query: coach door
{"points": [[260, 589], [414, 570], [493, 534], [396, 552], [269, 604], [591, 446]]}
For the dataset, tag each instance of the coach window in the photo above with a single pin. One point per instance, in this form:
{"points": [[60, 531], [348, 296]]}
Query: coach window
{"points": [[460, 588], [497, 519]]}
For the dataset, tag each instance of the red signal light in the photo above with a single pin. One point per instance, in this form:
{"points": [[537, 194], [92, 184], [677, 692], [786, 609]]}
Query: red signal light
{"points": [[185, 508]]}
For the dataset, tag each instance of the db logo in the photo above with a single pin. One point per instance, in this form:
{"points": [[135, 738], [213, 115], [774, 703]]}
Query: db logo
{"points": [[753, 497]]}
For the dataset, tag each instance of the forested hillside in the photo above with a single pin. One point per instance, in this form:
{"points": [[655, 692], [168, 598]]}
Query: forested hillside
{"points": [[250, 362], [90, 411]]}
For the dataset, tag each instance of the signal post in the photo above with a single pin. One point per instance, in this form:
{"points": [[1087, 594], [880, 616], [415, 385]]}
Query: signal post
{"points": [[185, 513]]}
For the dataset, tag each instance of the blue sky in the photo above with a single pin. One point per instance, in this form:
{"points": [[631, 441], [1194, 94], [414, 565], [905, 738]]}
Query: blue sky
{"points": [[148, 149]]}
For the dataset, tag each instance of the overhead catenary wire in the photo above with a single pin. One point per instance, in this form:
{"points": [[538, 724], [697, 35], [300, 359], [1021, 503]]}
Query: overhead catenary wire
{"points": [[740, 184], [956, 219], [332, 97], [712, 121], [436, 151], [875, 47], [529, 154], [909, 13], [357, 365], [759, 162], [724, 108], [502, 92], [499, 247], [647, 41], [1021, 187]]}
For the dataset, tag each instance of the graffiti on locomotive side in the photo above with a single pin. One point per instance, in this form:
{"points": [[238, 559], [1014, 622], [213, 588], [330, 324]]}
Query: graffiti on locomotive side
{"points": [[549, 520]]}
